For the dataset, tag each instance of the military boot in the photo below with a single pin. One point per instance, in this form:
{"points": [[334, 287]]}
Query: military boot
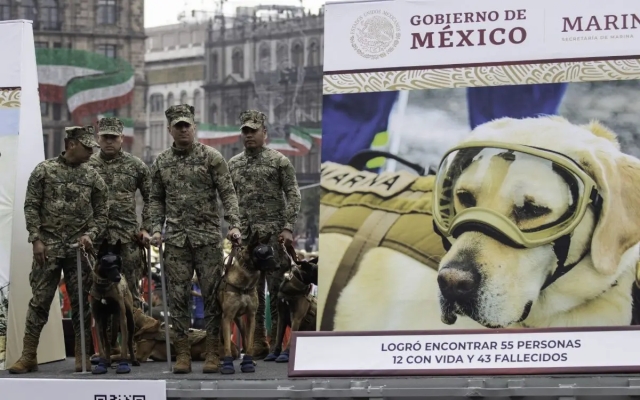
{"points": [[213, 355], [78, 354], [260, 345], [183, 356], [28, 362]]}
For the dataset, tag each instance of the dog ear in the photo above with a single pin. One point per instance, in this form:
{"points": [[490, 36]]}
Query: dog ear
{"points": [[617, 176], [104, 246], [118, 247], [255, 239], [266, 239]]}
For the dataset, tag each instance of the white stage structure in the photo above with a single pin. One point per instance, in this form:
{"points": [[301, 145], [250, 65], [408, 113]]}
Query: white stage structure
{"points": [[21, 149]]}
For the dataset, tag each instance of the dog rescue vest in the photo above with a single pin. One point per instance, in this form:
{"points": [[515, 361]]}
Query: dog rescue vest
{"points": [[390, 210]]}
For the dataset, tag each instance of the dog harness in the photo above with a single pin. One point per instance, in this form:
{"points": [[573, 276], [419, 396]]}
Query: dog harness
{"points": [[100, 286], [391, 210]]}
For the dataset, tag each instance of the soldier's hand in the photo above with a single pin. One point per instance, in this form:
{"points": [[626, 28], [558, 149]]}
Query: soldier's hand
{"points": [[39, 252], [286, 237], [156, 240], [144, 237], [234, 236], [85, 241]]}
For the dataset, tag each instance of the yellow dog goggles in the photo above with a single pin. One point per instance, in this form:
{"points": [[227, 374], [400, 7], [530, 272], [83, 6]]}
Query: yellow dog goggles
{"points": [[520, 195]]}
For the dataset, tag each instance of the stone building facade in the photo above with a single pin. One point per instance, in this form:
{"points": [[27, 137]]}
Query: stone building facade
{"points": [[174, 65], [94, 31], [271, 62]]}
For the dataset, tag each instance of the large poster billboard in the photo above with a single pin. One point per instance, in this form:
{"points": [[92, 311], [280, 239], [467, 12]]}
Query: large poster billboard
{"points": [[480, 189]]}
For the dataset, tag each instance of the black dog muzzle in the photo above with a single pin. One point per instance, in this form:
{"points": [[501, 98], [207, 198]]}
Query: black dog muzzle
{"points": [[264, 259]]}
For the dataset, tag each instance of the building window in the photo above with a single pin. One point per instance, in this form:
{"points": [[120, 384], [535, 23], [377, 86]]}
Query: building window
{"points": [[107, 12], [197, 99], [44, 109], [237, 62], [27, 10], [108, 50], [183, 98], [265, 58], [49, 15], [213, 67], [57, 112], [314, 54], [297, 55], [5, 10], [41, 45], [282, 55], [156, 103], [58, 141], [157, 136], [170, 100], [213, 114]]}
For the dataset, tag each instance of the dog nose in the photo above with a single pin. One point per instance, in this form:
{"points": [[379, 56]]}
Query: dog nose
{"points": [[458, 282]]}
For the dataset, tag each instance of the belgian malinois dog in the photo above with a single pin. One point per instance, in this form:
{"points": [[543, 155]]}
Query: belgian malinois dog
{"points": [[238, 297], [297, 307], [110, 297]]}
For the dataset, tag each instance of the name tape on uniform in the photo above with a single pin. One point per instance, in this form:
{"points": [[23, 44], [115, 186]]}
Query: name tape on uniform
{"points": [[346, 180]]}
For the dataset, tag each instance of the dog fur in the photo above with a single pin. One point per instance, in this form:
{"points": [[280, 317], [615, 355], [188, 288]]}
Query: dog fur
{"points": [[238, 296], [392, 291], [151, 346], [112, 298], [297, 308]]}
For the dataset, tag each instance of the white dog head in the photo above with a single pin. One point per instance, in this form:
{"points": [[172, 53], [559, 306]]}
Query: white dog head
{"points": [[497, 284]]}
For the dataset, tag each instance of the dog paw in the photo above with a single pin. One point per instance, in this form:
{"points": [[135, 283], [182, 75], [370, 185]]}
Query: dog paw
{"points": [[227, 366], [272, 356], [123, 368], [247, 364], [283, 357], [135, 363], [101, 367]]}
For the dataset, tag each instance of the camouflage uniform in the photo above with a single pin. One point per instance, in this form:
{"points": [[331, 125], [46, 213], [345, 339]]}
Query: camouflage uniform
{"points": [[269, 200], [124, 175], [183, 191], [63, 203]]}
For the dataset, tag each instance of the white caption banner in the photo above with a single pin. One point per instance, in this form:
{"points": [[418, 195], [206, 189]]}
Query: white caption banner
{"points": [[82, 389], [508, 352]]}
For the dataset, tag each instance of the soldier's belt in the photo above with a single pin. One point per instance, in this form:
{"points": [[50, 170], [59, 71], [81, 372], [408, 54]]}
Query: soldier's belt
{"points": [[390, 210]]}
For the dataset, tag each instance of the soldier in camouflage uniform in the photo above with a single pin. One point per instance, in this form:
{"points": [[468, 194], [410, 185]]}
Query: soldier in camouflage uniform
{"points": [[124, 174], [269, 200], [66, 203], [185, 180]]}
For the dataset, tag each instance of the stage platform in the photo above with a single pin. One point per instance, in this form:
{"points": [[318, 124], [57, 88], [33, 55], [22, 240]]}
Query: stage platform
{"points": [[270, 381]]}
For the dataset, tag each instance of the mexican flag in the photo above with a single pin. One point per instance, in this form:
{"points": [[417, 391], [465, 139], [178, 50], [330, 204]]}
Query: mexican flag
{"points": [[299, 143], [213, 135], [89, 83]]}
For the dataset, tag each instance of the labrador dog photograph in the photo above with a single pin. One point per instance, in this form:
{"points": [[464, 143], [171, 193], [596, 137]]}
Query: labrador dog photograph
{"points": [[477, 279]]}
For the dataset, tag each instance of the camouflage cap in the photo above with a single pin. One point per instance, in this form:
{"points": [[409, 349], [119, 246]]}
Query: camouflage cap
{"points": [[180, 113], [110, 126], [252, 119], [83, 134]]}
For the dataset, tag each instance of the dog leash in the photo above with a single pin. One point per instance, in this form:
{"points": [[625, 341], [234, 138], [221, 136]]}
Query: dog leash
{"points": [[227, 264], [290, 252]]}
